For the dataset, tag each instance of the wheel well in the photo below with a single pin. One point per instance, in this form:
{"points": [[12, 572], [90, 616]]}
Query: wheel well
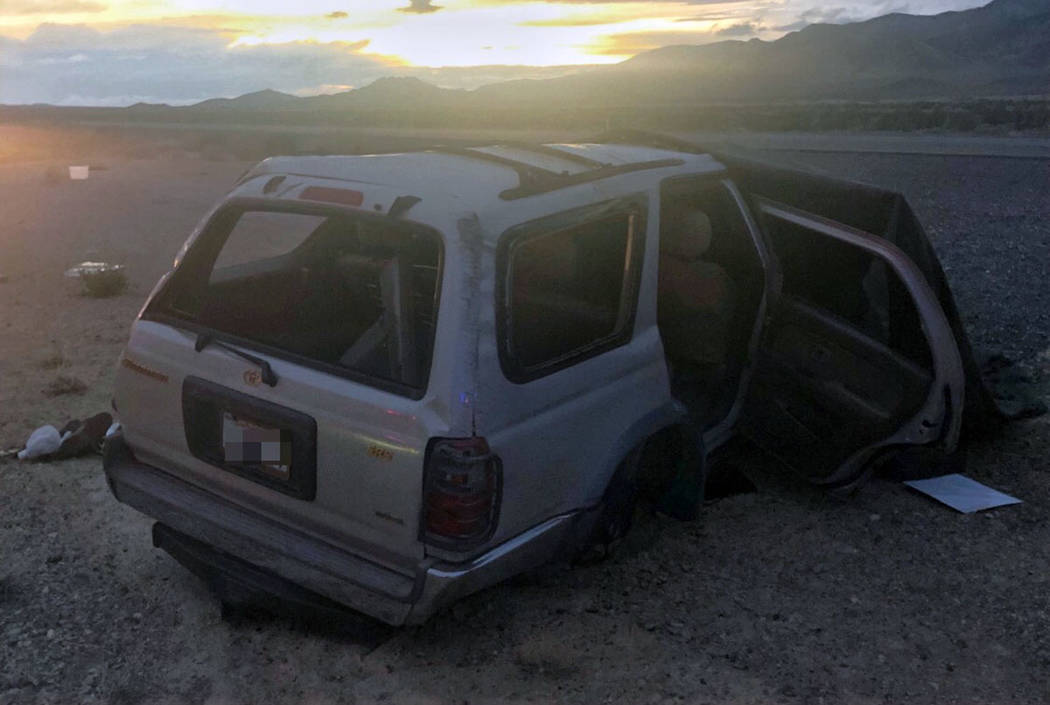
{"points": [[663, 456], [652, 472]]}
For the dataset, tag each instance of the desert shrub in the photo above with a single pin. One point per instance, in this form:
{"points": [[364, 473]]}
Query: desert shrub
{"points": [[961, 121], [53, 362], [63, 385], [546, 654], [101, 285]]}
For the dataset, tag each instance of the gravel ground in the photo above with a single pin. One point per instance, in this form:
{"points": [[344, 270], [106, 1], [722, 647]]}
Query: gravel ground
{"points": [[989, 220], [779, 596]]}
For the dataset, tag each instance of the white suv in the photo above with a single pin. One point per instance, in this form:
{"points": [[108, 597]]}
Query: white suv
{"points": [[393, 380]]}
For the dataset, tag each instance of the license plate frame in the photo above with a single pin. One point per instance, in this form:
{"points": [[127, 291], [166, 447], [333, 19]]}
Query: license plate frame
{"points": [[277, 445], [249, 444]]}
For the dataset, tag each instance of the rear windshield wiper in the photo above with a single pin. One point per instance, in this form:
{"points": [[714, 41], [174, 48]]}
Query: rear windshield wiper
{"points": [[268, 375]]}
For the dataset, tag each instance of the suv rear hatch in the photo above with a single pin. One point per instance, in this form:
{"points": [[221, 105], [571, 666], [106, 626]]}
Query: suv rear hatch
{"points": [[282, 366]]}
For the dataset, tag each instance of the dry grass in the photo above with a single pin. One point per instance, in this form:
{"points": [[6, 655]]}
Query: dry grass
{"points": [[64, 385], [546, 654], [52, 362]]}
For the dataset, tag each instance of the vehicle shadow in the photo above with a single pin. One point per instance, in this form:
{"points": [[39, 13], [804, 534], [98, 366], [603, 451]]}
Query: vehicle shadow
{"points": [[335, 623]]}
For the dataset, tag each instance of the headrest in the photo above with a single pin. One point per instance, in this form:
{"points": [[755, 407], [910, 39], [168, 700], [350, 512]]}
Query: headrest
{"points": [[688, 236]]}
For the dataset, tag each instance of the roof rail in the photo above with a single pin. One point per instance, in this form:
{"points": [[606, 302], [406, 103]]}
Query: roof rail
{"points": [[643, 138], [564, 180], [533, 180], [555, 152], [529, 176]]}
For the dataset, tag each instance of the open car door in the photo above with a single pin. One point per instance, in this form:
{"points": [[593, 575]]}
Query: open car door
{"points": [[857, 357]]}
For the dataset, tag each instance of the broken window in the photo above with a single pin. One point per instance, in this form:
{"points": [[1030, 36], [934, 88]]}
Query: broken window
{"points": [[355, 294], [570, 289]]}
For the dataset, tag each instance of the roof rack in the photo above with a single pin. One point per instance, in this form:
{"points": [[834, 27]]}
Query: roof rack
{"points": [[534, 180], [555, 152], [529, 176], [642, 138], [561, 181]]}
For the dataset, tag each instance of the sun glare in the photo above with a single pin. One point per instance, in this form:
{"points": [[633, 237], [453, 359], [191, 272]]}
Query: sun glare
{"points": [[456, 33], [420, 33], [525, 34]]}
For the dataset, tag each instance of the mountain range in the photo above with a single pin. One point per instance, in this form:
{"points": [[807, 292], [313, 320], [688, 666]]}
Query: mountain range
{"points": [[1001, 49]]}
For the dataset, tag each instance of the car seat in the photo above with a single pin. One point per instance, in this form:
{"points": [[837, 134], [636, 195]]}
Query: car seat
{"points": [[695, 297]]}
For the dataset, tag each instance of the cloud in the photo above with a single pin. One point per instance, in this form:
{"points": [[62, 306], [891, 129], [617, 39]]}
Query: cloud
{"points": [[750, 4], [322, 89], [640, 2], [194, 57], [743, 29], [631, 43], [591, 21], [420, 7], [171, 63], [707, 17], [843, 15], [39, 7], [634, 10], [74, 64]]}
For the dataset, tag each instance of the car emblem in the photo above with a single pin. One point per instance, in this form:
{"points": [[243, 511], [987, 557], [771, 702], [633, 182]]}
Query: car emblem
{"points": [[252, 378]]}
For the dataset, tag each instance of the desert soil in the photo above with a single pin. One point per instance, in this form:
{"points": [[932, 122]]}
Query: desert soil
{"points": [[784, 595]]}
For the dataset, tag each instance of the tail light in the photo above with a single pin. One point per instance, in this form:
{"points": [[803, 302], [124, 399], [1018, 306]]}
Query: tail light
{"points": [[461, 491]]}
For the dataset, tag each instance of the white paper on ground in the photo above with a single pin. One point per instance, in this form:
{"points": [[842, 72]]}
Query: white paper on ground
{"points": [[961, 493]]}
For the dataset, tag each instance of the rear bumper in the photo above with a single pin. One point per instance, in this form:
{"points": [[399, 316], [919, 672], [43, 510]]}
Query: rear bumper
{"points": [[319, 566]]}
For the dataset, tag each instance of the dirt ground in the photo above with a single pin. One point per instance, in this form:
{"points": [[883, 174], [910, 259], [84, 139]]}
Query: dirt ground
{"points": [[779, 596]]}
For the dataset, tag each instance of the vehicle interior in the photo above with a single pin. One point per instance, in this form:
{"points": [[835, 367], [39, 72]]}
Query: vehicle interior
{"points": [[844, 360], [566, 288], [711, 282], [340, 291]]}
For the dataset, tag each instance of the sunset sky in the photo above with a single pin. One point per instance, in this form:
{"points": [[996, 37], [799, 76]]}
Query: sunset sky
{"points": [[117, 52]]}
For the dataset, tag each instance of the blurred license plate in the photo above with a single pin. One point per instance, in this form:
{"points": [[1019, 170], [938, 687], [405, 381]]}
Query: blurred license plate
{"points": [[247, 443]]}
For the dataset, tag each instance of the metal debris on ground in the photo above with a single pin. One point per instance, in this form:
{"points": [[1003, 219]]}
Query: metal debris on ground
{"points": [[961, 493]]}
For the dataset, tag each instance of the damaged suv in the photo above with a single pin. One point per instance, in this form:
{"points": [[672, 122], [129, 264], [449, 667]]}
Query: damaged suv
{"points": [[393, 380]]}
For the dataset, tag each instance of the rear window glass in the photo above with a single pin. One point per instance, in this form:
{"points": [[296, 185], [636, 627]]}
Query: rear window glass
{"points": [[568, 291], [260, 235], [355, 294]]}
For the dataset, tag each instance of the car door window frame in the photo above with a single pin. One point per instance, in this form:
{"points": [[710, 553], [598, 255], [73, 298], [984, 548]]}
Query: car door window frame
{"points": [[941, 410], [635, 208], [205, 249]]}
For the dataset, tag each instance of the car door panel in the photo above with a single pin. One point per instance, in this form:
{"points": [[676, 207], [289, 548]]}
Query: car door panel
{"points": [[857, 355], [815, 373]]}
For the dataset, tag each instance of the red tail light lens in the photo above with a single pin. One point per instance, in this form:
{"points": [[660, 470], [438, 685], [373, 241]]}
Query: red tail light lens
{"points": [[461, 489]]}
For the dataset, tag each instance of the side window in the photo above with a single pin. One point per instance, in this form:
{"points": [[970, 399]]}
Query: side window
{"points": [[569, 290], [855, 286]]}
